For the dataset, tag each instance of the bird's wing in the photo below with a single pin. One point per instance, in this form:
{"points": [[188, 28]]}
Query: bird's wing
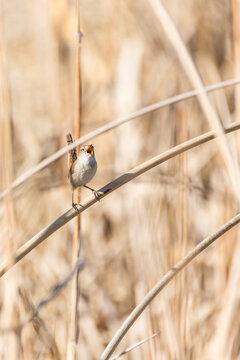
{"points": [[72, 157], [72, 154]]}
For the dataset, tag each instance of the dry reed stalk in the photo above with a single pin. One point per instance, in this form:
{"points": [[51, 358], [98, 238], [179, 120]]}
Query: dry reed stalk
{"points": [[182, 135], [191, 72], [132, 347], [111, 125], [40, 327], [221, 104], [182, 210], [163, 282], [72, 353], [9, 311], [107, 189], [236, 49], [223, 342], [78, 266]]}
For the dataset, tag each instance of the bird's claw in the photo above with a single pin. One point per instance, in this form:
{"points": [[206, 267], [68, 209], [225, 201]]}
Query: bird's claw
{"points": [[97, 195], [75, 207]]}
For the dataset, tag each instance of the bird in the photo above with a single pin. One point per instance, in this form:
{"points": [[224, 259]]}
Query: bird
{"points": [[81, 168]]}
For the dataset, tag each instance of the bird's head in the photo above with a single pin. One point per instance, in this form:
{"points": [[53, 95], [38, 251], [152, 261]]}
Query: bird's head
{"points": [[89, 149]]}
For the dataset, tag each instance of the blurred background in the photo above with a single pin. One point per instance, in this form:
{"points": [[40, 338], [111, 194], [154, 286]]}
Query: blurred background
{"points": [[134, 235]]}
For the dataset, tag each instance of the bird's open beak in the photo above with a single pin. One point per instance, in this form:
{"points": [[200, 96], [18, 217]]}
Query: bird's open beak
{"points": [[90, 150]]}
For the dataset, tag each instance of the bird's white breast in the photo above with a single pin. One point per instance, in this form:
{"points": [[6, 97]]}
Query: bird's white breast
{"points": [[84, 169]]}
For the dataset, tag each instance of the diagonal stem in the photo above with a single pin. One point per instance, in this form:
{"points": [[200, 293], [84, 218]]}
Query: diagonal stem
{"points": [[162, 283], [112, 125], [107, 189]]}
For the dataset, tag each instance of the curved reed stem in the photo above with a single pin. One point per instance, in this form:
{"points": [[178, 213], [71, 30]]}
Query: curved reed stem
{"points": [[111, 125], [112, 186], [191, 71], [160, 285]]}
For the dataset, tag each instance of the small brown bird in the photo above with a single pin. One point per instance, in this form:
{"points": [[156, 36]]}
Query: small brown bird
{"points": [[82, 168]]}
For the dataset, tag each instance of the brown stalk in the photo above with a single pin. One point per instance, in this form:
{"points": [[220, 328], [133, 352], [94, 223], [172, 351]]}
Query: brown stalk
{"points": [[9, 313], [236, 52], [236, 49], [76, 243]]}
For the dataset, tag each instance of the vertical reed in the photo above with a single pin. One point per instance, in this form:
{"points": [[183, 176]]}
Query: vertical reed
{"points": [[76, 244]]}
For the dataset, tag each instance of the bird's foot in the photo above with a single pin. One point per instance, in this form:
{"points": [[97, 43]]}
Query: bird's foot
{"points": [[97, 195], [75, 207]]}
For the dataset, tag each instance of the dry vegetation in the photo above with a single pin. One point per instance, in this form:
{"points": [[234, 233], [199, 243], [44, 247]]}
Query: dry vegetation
{"points": [[137, 233]]}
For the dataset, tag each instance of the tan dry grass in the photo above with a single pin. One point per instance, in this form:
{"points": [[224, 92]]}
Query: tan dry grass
{"points": [[128, 246]]}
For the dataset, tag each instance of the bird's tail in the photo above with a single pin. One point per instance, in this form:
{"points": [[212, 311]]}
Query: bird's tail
{"points": [[72, 154]]}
